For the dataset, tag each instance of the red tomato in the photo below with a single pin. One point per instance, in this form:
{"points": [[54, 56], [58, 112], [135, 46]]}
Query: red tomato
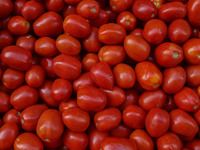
{"points": [[48, 24], [89, 60], [4, 102], [54, 5], [29, 117], [50, 126], [76, 119], [193, 73], [54, 145], [102, 75], [47, 65], [197, 116], [194, 144], [193, 11], [148, 75], [6, 7], [158, 3], [72, 2], [12, 116], [64, 105], [122, 131], [170, 104], [142, 139], [18, 4], [120, 5], [28, 141], [137, 32], [68, 10], [136, 48], [6, 38], [157, 122]]}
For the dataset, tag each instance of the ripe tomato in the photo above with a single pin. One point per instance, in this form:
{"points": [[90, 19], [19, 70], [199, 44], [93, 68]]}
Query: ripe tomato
{"points": [[6, 38], [68, 10], [120, 5], [47, 65], [54, 145], [194, 144], [18, 4], [4, 102], [6, 7], [54, 5], [137, 32], [72, 2], [64, 105], [158, 3], [12, 116], [193, 73], [197, 116], [122, 131], [193, 11]]}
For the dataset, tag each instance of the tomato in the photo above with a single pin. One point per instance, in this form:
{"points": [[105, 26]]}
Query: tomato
{"points": [[122, 131], [187, 100], [120, 5], [18, 4], [193, 11], [152, 99], [171, 11], [112, 15], [194, 144], [4, 22], [197, 116], [168, 54], [64, 105], [158, 3], [144, 10], [75, 140], [48, 24], [6, 7], [91, 99], [179, 31], [102, 75], [88, 9], [50, 126], [28, 141], [169, 141], [157, 122], [193, 72], [55, 5], [191, 50], [66, 67], [142, 139], [182, 123], [114, 143], [76, 26], [136, 48], [127, 20], [76, 119], [137, 32], [53, 145], [32, 10], [148, 75], [72, 2], [4, 102], [29, 117], [12, 116], [6, 38], [47, 65], [8, 134], [16, 57], [155, 31], [68, 10]]}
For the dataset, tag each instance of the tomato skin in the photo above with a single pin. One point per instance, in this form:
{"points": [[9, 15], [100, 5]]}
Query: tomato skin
{"points": [[64, 105], [6, 8], [47, 65], [122, 131], [23, 142], [4, 102], [191, 50], [114, 143], [120, 5], [12, 116], [8, 134], [171, 11], [48, 24], [155, 31], [76, 119], [29, 117], [148, 75], [182, 123], [197, 116], [142, 139], [102, 75], [136, 48], [16, 57], [72, 2], [32, 10], [6, 38], [168, 54], [66, 67], [91, 99], [193, 11], [137, 32], [193, 73], [157, 122], [169, 141], [194, 144], [113, 55], [76, 26], [55, 5], [144, 10], [53, 145], [187, 100], [68, 10], [152, 99], [18, 4], [111, 33], [68, 45]]}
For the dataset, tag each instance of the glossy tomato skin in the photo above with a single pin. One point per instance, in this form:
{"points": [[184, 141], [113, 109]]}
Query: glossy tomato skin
{"points": [[155, 31], [187, 100], [91, 99], [120, 5], [148, 75], [68, 10], [29, 117], [193, 73], [28, 141], [66, 67], [18, 4], [169, 140], [76, 119], [50, 126], [182, 123], [114, 143], [4, 102], [6, 8], [137, 32], [64, 105], [48, 24], [197, 116], [72, 2], [55, 5], [12, 116], [76, 26], [47, 65], [19, 96], [142, 139], [6, 38], [54, 145], [136, 48], [157, 122], [173, 79], [152, 99], [8, 134], [191, 50], [122, 131], [168, 54], [194, 144], [171, 11], [16, 57], [144, 10], [102, 75], [193, 11]]}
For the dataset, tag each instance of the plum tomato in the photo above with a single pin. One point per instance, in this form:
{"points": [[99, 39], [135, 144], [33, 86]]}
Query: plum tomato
{"points": [[54, 5], [12, 116], [193, 12], [121, 131], [192, 75], [64, 105], [4, 102], [120, 5], [6, 39], [6, 7]]}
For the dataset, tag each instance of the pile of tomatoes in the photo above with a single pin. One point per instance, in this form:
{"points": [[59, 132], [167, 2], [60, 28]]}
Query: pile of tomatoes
{"points": [[99, 75]]}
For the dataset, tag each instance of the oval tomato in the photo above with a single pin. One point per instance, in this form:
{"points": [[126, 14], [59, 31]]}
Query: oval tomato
{"points": [[4, 102], [89, 60], [6, 7], [64, 105], [120, 5], [192, 75], [122, 131], [193, 11], [12, 116], [6, 38]]}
